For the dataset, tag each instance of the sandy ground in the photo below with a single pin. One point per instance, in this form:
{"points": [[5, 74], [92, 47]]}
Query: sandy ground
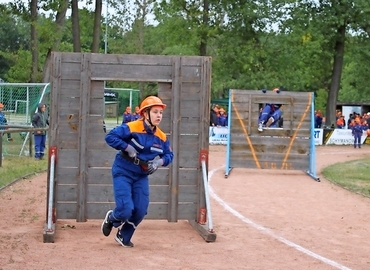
{"points": [[263, 220]]}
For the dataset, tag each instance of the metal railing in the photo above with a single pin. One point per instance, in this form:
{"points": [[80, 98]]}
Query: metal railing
{"points": [[5, 129]]}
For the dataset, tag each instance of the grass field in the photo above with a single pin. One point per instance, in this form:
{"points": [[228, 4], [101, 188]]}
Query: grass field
{"points": [[14, 168], [352, 175]]}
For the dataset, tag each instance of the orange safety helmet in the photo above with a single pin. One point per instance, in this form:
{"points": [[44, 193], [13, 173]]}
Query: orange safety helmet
{"points": [[1, 105], [150, 102]]}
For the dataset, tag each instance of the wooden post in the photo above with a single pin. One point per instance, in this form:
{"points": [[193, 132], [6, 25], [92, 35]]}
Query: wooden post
{"points": [[1, 148]]}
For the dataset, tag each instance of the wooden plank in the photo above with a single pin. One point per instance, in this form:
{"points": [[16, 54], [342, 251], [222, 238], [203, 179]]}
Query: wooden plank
{"points": [[205, 100], [54, 96], [131, 72], [85, 86], [191, 91], [97, 90], [186, 211], [175, 131], [104, 158], [271, 132], [272, 145], [270, 156], [266, 164], [72, 71], [190, 108], [66, 176], [131, 59], [103, 175]]}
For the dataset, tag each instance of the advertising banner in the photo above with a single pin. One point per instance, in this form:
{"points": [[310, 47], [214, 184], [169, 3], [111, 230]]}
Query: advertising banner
{"points": [[343, 137], [218, 135], [318, 136]]}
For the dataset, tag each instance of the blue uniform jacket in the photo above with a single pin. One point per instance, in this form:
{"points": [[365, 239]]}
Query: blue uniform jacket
{"points": [[357, 128], [3, 120], [126, 117], [222, 121], [148, 143]]}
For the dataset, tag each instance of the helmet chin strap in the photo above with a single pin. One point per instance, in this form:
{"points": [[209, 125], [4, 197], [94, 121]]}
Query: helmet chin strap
{"points": [[149, 119]]}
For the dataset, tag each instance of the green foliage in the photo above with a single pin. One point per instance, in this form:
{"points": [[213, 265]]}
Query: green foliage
{"points": [[253, 45], [321, 99], [20, 71]]}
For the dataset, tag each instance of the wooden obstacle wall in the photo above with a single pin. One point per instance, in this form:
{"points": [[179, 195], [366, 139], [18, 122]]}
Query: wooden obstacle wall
{"points": [[287, 148], [83, 187]]}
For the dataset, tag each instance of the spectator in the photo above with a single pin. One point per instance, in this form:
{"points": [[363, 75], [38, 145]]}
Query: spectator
{"points": [[214, 115], [127, 116], [222, 118], [40, 120], [349, 121], [357, 131], [4, 122], [139, 143], [318, 119], [340, 122], [367, 118], [136, 114]]}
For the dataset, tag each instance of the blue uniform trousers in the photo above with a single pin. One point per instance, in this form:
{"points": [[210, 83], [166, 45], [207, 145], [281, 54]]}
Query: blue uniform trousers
{"points": [[267, 112], [39, 145], [357, 140], [131, 193]]}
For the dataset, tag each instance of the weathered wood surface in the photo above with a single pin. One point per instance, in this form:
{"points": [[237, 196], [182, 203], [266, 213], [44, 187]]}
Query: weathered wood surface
{"points": [[83, 172], [274, 148]]}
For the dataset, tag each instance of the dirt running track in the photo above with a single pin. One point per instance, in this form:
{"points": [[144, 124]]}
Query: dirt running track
{"points": [[263, 220]]}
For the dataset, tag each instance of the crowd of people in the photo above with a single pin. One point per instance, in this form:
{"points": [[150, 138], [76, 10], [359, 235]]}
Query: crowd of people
{"points": [[356, 122], [128, 116], [218, 116]]}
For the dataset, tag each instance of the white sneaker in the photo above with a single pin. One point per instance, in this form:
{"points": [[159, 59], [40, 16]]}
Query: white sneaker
{"points": [[260, 127], [270, 121]]}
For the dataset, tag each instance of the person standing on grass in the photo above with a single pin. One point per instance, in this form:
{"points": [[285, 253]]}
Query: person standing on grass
{"points": [[142, 149], [4, 122], [40, 120], [357, 130]]}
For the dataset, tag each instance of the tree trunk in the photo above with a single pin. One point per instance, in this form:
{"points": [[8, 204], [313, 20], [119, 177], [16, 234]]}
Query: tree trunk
{"points": [[204, 34], [34, 43], [76, 27], [336, 77], [59, 25], [97, 26]]}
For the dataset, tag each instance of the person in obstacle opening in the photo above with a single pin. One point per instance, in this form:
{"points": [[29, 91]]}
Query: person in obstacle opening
{"points": [[270, 114], [139, 144]]}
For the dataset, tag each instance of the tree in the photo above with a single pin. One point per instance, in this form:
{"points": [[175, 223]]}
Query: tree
{"points": [[34, 41], [97, 26], [58, 31], [76, 27]]}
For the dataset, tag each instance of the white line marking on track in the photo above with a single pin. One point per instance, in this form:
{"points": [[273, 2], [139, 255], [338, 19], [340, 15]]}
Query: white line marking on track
{"points": [[267, 231]]}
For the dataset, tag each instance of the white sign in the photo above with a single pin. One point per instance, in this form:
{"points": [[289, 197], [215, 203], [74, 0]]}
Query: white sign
{"points": [[218, 135], [343, 137], [317, 135]]}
